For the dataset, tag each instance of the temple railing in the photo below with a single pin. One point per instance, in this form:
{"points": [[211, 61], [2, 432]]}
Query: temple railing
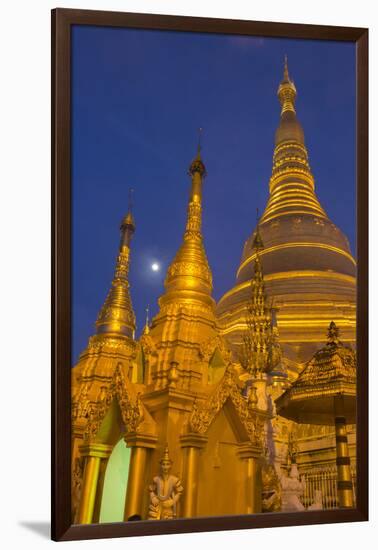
{"points": [[325, 481]]}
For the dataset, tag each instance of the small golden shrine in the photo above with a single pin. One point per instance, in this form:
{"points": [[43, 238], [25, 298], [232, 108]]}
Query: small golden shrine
{"points": [[175, 397], [325, 393]]}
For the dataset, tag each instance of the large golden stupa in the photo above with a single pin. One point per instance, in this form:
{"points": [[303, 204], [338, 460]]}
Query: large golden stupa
{"points": [[308, 267]]}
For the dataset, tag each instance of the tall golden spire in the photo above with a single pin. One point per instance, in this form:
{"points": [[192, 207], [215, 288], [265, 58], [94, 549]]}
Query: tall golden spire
{"points": [[255, 351], [292, 183], [116, 315], [189, 273]]}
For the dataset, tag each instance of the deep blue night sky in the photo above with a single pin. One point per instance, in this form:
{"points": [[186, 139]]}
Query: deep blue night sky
{"points": [[138, 98]]}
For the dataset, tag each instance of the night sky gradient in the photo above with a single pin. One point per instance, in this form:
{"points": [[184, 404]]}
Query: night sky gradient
{"points": [[138, 99]]}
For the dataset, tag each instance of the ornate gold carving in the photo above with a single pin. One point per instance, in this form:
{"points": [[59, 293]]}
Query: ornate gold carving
{"points": [[80, 402], [173, 375], [207, 349], [193, 224], [187, 268], [130, 406], [331, 370], [271, 489], [103, 343], [77, 485], [148, 345], [117, 315], [260, 351], [228, 387]]}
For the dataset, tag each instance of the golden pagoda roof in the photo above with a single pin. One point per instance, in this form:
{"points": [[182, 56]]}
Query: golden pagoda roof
{"points": [[331, 372]]}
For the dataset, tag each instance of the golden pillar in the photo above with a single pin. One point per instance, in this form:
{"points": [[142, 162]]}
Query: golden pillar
{"points": [[100, 489], [93, 453], [136, 483], [192, 443], [344, 477], [251, 458]]}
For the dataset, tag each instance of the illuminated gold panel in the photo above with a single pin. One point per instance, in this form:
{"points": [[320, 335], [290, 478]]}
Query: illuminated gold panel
{"points": [[290, 275], [298, 245]]}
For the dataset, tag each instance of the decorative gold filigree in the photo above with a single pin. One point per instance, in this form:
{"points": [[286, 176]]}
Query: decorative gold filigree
{"points": [[77, 485], [148, 345], [271, 489], [208, 348], [260, 351], [117, 312], [193, 224], [200, 270], [130, 406], [202, 416]]}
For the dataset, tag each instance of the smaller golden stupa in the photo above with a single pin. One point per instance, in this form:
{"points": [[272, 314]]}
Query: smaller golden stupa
{"points": [[175, 387], [325, 394]]}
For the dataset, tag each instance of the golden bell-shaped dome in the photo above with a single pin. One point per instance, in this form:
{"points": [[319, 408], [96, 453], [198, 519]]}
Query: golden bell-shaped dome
{"points": [[307, 262]]}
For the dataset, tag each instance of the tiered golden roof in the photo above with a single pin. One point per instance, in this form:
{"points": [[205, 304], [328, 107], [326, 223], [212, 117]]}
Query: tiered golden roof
{"points": [[330, 373]]}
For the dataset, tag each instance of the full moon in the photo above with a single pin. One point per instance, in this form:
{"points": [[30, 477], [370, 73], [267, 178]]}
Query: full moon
{"points": [[155, 266]]}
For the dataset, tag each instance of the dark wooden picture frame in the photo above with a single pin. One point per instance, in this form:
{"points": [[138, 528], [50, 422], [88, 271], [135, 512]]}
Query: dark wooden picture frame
{"points": [[62, 21]]}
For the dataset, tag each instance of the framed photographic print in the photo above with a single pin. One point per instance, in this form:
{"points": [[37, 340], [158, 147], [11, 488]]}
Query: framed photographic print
{"points": [[209, 274]]}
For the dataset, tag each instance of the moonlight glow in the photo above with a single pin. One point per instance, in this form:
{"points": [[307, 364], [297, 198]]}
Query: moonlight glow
{"points": [[155, 266]]}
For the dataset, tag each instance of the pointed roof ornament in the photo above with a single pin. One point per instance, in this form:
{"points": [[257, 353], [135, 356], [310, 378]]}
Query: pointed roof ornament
{"points": [[286, 77], [146, 329], [287, 91], [257, 243], [333, 333], [199, 142], [131, 193], [197, 166], [128, 223]]}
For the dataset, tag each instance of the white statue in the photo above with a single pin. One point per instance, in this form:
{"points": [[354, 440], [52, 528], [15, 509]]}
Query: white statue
{"points": [[292, 488]]}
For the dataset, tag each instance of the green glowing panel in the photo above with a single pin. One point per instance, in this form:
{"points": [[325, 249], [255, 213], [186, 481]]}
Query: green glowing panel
{"points": [[114, 493]]}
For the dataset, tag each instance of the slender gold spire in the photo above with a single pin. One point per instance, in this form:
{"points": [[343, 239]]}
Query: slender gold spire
{"points": [[292, 183], [146, 329], [116, 315], [287, 91], [286, 70], [189, 271]]}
